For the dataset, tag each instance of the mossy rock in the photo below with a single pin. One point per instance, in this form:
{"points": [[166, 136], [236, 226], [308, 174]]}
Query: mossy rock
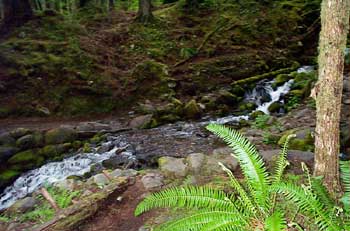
{"points": [[7, 152], [255, 114], [281, 79], [248, 106], [7, 176], [237, 90], [192, 110], [30, 141], [60, 135], [276, 107], [26, 160], [226, 97], [7, 139], [19, 132], [54, 151], [303, 140]]}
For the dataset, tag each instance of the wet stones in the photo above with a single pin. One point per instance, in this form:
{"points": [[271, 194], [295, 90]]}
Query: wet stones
{"points": [[60, 135], [172, 167], [152, 180]]}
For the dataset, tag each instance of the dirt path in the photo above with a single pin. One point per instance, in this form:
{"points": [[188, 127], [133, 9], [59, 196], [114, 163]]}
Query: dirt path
{"points": [[119, 215]]}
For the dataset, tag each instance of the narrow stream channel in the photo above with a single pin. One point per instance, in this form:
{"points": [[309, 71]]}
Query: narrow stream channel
{"points": [[120, 146]]}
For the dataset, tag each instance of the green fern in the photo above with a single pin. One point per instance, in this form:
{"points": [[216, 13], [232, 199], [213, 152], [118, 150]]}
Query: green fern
{"points": [[275, 222], [247, 209], [252, 206]]}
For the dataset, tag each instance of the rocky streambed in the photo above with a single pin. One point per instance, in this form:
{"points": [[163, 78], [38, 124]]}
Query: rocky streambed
{"points": [[180, 149]]}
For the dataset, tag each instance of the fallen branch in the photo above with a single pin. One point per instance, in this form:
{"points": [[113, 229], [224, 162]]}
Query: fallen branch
{"points": [[49, 198]]}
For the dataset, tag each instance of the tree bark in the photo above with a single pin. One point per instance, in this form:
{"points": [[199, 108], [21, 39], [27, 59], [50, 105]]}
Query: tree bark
{"points": [[328, 90], [144, 14], [111, 5]]}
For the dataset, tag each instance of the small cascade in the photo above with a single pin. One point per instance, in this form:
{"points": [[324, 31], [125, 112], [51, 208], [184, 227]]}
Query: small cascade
{"points": [[50, 173], [263, 95]]}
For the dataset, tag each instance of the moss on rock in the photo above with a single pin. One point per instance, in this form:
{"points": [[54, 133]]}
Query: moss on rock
{"points": [[192, 110], [60, 135]]}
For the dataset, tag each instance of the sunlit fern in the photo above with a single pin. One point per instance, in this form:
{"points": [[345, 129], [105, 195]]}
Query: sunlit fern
{"points": [[247, 208]]}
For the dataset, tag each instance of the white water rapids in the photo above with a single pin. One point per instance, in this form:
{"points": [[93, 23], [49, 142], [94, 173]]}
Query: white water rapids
{"points": [[81, 163]]}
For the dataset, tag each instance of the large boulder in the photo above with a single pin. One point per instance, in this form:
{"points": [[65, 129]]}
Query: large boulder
{"points": [[7, 139], [303, 140], [144, 121], [19, 132], [26, 160], [173, 167], [226, 97], [7, 152], [60, 135], [195, 161], [30, 141], [22, 206], [152, 180]]}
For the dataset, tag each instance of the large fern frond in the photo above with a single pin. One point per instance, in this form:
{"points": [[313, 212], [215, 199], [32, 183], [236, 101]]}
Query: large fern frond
{"points": [[246, 202], [282, 161], [345, 177], [275, 222], [322, 193], [204, 219], [190, 197], [308, 204], [250, 161]]}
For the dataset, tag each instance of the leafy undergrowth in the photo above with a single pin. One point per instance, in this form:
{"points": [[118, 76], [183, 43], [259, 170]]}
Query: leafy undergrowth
{"points": [[83, 63], [43, 211]]}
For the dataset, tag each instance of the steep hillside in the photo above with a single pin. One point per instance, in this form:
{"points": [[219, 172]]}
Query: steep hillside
{"points": [[93, 63]]}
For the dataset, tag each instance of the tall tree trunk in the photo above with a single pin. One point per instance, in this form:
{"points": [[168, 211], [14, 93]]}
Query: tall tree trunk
{"points": [[111, 5], [328, 90], [16, 12], [144, 14]]}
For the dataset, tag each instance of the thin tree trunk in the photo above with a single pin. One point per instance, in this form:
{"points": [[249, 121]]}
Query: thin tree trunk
{"points": [[144, 14], [335, 23], [111, 5]]}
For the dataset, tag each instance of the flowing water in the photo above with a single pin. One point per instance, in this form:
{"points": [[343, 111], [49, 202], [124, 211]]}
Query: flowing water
{"points": [[172, 137]]}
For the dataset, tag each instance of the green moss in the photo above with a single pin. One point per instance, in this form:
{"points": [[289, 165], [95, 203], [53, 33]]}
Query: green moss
{"points": [[26, 160], [192, 110], [49, 151], [8, 175]]}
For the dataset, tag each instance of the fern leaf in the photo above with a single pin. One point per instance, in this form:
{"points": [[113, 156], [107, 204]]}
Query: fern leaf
{"points": [[203, 219], [275, 222], [309, 204], [282, 162], [190, 197], [322, 193], [345, 177], [246, 201], [250, 161]]}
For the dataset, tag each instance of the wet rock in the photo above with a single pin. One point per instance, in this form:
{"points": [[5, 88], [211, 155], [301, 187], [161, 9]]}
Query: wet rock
{"points": [[7, 139], [172, 167], [281, 79], [19, 132], [30, 141], [255, 114], [192, 110], [116, 173], [237, 90], [105, 147], [26, 160], [92, 126], [7, 176], [67, 184], [152, 181], [195, 161], [303, 141], [21, 206], [143, 121], [293, 155], [99, 180], [60, 135], [7, 152], [276, 107], [118, 162], [248, 106], [226, 97]]}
